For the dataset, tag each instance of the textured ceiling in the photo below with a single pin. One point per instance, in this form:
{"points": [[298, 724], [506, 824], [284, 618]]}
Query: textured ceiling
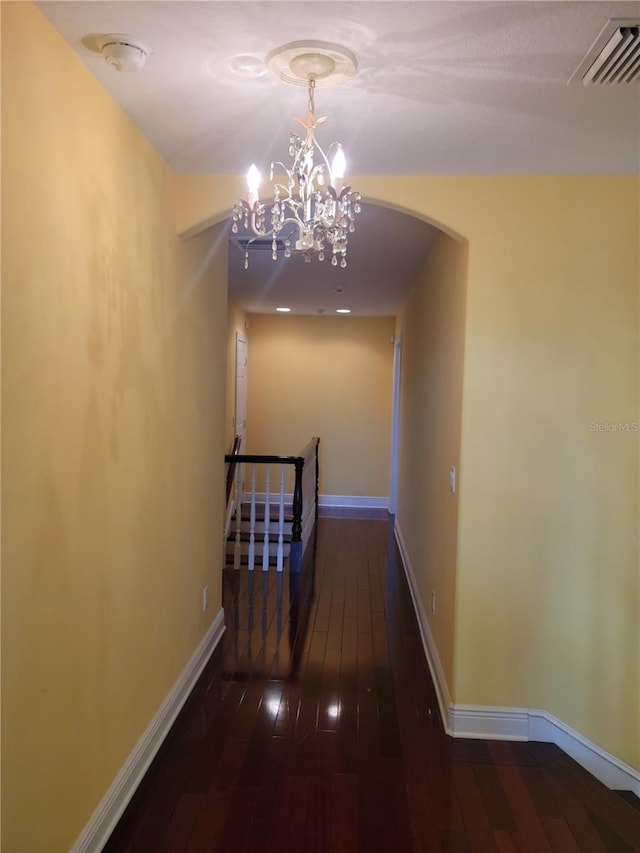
{"points": [[442, 87], [374, 282]]}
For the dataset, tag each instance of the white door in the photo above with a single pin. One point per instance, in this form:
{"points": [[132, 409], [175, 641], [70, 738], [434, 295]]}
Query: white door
{"points": [[395, 425], [240, 419]]}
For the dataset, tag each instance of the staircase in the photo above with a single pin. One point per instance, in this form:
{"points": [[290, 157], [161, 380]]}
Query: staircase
{"points": [[247, 544], [267, 525]]}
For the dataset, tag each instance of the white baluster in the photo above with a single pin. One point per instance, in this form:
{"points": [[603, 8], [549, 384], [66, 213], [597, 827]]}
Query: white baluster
{"points": [[252, 522], [280, 552], [237, 547], [267, 519]]}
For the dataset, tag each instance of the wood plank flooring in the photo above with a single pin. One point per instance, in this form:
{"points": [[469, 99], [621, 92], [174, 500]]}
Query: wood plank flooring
{"points": [[315, 729]]}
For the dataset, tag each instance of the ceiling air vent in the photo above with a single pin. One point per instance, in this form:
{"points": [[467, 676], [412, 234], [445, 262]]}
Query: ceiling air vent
{"points": [[258, 244], [614, 57]]}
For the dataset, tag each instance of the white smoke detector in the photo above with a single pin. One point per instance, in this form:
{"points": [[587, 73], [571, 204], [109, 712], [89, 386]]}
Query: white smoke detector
{"points": [[124, 53]]}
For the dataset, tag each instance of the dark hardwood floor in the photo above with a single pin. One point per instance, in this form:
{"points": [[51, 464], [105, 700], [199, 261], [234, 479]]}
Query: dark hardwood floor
{"points": [[315, 729]]}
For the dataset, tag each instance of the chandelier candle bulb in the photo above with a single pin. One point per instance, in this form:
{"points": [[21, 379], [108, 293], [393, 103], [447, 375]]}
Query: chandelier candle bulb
{"points": [[253, 183], [338, 168]]}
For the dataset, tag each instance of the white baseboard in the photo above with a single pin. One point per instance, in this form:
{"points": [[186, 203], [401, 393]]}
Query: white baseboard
{"points": [[103, 821], [353, 501], [611, 771], [356, 501], [492, 723], [499, 723], [353, 506], [428, 644]]}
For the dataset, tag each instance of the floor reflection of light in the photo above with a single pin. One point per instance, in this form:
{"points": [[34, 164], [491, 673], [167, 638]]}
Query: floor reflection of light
{"points": [[273, 706], [334, 711]]}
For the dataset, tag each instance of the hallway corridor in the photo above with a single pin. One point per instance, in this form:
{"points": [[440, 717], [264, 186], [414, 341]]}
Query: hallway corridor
{"points": [[315, 729]]}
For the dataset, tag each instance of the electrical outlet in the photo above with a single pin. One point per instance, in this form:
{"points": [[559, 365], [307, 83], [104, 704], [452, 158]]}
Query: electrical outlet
{"points": [[205, 598], [433, 602]]}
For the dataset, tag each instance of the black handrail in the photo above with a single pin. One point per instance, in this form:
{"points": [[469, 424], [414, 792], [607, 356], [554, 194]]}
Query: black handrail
{"points": [[232, 460], [257, 457]]}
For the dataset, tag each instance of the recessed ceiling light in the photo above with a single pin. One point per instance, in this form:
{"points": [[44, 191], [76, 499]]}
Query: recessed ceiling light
{"points": [[283, 310], [343, 310]]}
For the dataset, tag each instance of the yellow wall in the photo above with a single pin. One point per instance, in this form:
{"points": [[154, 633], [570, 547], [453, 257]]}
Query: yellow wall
{"points": [[548, 552], [431, 328], [113, 371], [548, 599], [330, 377]]}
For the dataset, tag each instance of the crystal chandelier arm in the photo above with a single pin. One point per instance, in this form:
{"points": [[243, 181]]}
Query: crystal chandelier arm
{"points": [[256, 223], [315, 172], [325, 162]]}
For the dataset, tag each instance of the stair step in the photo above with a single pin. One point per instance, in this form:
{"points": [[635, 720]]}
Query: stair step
{"points": [[259, 527], [245, 536], [274, 517], [274, 507], [258, 548], [244, 562]]}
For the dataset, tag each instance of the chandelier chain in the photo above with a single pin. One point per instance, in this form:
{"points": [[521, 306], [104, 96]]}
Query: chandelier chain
{"points": [[312, 88]]}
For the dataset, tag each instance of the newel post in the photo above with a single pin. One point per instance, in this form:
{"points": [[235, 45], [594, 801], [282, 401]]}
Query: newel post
{"points": [[295, 555], [296, 533]]}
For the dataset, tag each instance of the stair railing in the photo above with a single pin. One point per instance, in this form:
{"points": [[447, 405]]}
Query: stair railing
{"points": [[256, 510], [231, 460]]}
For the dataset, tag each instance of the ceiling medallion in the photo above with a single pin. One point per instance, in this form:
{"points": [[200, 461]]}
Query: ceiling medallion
{"points": [[313, 211]]}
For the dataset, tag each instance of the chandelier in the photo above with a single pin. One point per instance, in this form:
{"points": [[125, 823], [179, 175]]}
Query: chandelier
{"points": [[313, 211]]}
